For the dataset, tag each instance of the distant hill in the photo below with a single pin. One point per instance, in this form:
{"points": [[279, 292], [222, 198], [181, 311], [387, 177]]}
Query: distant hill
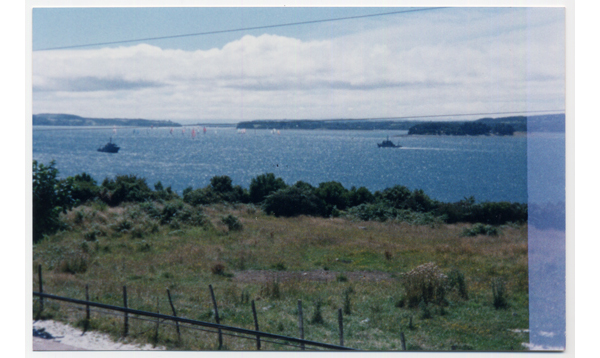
{"points": [[539, 123], [59, 119]]}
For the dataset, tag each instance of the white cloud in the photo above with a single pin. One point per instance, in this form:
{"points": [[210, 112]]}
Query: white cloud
{"points": [[453, 65]]}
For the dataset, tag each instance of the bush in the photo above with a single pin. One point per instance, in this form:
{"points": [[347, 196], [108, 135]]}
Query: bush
{"points": [[394, 196], [426, 283], [93, 234], [219, 190], [151, 209], [481, 229], [317, 317], [424, 308], [456, 279], [388, 255], [50, 198], [74, 263], [280, 266], [293, 201], [499, 293], [373, 212], [221, 184], [419, 201], [170, 211], [456, 212], [162, 193], [347, 303], [191, 216], [271, 289], [418, 218], [498, 213], [492, 213], [333, 195], [359, 196], [124, 188], [263, 185], [341, 278], [232, 222], [218, 268], [83, 187], [203, 196], [123, 225]]}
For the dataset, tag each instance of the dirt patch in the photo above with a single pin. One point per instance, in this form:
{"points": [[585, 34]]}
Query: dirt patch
{"points": [[56, 336], [262, 276]]}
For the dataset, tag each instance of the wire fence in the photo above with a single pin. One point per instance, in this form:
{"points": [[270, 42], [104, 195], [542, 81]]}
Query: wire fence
{"points": [[164, 322], [156, 319]]}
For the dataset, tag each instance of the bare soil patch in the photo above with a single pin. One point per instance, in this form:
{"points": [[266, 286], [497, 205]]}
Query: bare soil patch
{"points": [[56, 336]]}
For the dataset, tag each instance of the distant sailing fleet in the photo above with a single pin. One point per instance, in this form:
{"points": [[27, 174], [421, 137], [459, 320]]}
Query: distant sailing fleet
{"points": [[194, 131], [110, 147]]}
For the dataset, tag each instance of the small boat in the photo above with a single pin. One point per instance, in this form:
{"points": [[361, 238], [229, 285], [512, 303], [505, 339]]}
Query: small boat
{"points": [[110, 147], [388, 144]]}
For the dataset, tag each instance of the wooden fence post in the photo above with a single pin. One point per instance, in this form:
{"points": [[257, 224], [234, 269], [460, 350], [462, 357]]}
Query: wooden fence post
{"points": [[126, 324], [41, 288], [157, 321], [174, 314], [212, 295], [402, 339], [300, 323], [256, 326], [341, 324], [87, 308]]}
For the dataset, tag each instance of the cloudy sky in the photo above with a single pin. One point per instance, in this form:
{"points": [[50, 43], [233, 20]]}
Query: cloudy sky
{"points": [[433, 62]]}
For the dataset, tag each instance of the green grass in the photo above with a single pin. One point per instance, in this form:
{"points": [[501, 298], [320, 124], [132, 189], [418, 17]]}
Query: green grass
{"points": [[132, 248]]}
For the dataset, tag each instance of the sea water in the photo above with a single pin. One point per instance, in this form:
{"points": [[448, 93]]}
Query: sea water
{"points": [[447, 168]]}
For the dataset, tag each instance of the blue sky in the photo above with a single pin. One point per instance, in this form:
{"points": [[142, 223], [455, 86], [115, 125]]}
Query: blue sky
{"points": [[455, 60], [56, 27]]}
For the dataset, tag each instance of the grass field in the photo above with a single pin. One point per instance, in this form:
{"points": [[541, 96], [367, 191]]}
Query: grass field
{"points": [[357, 266]]}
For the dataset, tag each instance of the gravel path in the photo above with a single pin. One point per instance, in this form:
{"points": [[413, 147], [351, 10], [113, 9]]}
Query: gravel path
{"points": [[55, 336]]}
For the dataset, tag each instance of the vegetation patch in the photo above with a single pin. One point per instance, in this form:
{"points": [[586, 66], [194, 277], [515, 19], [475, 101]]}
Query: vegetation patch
{"points": [[375, 257]]}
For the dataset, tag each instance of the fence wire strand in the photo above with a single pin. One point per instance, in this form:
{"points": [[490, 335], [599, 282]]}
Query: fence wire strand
{"points": [[172, 324]]}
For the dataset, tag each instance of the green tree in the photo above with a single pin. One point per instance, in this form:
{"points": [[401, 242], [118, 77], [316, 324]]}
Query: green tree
{"points": [[50, 198], [124, 188], [83, 187], [359, 196], [395, 196], [221, 184], [293, 201], [333, 194], [263, 185], [419, 201]]}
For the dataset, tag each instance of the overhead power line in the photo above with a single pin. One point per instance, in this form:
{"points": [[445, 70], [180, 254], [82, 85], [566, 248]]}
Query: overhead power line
{"points": [[455, 115], [237, 30]]}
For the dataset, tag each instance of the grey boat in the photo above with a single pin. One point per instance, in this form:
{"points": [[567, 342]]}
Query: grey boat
{"points": [[110, 147]]}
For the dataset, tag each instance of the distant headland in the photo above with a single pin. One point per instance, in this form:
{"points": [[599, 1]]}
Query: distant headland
{"points": [[482, 126], [60, 119]]}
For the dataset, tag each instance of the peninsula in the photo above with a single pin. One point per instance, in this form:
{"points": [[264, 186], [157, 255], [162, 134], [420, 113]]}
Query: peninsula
{"points": [[59, 119]]}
